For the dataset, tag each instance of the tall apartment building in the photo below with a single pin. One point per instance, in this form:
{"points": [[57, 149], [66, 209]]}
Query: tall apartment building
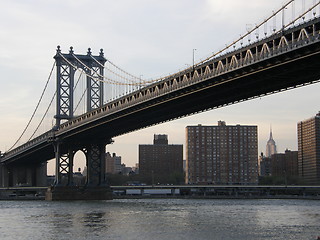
{"points": [[159, 161], [113, 163], [222, 154], [309, 150]]}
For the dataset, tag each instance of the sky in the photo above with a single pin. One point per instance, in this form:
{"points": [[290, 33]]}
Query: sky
{"points": [[145, 37]]}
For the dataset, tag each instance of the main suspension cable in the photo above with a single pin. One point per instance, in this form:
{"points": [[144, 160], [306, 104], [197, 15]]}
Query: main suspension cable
{"points": [[44, 115], [117, 74], [35, 110], [143, 82]]}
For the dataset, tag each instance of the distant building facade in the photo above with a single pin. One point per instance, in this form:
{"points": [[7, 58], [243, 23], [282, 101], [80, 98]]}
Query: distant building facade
{"points": [[291, 163], [222, 154], [271, 147], [278, 164], [309, 150], [113, 163], [265, 166], [136, 168], [126, 170], [285, 164], [159, 161]]}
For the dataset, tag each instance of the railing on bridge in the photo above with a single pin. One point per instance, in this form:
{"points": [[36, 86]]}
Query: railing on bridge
{"points": [[44, 138]]}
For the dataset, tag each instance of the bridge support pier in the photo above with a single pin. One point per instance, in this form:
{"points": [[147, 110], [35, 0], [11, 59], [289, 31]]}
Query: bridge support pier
{"points": [[61, 193], [95, 155], [4, 181], [95, 188], [64, 166], [34, 175]]}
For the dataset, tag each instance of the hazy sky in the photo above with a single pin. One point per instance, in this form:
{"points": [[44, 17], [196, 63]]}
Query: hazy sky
{"points": [[144, 37]]}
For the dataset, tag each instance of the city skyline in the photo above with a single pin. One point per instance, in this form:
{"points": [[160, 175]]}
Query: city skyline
{"points": [[162, 45]]}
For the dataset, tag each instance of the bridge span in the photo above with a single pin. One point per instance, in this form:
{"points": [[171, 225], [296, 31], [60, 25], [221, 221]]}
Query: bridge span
{"points": [[285, 60], [281, 62]]}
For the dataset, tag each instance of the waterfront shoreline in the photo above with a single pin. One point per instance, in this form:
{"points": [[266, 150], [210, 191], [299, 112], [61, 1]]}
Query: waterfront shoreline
{"points": [[116, 197], [289, 197], [182, 192]]}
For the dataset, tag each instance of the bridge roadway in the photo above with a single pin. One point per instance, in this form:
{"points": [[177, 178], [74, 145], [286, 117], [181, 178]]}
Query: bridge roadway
{"points": [[286, 60]]}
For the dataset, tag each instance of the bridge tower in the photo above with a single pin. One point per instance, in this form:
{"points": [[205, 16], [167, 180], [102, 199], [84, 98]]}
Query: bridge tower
{"points": [[66, 67], [94, 149]]}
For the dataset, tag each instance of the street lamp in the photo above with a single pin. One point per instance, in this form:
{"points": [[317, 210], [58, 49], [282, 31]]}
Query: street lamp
{"points": [[193, 57], [283, 18], [140, 82]]}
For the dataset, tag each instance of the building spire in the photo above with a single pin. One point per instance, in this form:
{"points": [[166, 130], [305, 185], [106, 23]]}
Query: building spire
{"points": [[271, 147], [271, 138]]}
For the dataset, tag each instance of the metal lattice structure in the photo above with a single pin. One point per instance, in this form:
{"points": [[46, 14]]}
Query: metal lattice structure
{"points": [[93, 66], [95, 164], [67, 64]]}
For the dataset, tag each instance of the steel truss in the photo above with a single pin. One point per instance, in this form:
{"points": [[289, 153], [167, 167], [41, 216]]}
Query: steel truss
{"points": [[94, 68], [95, 161]]}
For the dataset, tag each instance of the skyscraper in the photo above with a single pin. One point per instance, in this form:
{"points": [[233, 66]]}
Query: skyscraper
{"points": [[222, 154], [309, 150], [271, 146], [161, 161]]}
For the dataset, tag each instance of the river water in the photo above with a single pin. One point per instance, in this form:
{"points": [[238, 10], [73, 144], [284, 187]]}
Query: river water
{"points": [[160, 219]]}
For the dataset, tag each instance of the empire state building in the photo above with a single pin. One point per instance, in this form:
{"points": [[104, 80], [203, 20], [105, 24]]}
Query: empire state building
{"points": [[271, 146]]}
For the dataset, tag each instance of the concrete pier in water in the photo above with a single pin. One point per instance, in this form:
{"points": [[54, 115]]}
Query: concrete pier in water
{"points": [[58, 193]]}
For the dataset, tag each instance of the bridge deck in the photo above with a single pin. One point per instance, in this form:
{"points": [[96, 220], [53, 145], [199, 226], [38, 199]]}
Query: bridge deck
{"points": [[286, 60]]}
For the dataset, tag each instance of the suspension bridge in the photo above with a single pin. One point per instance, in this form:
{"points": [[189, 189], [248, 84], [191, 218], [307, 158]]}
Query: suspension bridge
{"points": [[95, 100]]}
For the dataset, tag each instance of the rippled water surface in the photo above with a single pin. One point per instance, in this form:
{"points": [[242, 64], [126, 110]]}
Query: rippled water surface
{"points": [[160, 219]]}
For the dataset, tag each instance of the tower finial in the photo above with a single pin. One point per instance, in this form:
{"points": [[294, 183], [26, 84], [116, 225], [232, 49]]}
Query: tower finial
{"points": [[101, 52]]}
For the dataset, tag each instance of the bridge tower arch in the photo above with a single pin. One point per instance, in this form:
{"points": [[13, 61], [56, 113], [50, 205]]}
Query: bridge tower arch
{"points": [[94, 153]]}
